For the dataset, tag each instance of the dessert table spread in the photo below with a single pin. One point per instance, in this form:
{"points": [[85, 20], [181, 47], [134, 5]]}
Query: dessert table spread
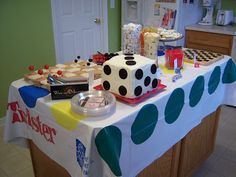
{"points": [[125, 142]]}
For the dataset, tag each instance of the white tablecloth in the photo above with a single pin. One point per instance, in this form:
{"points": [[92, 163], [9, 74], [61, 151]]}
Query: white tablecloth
{"points": [[124, 143]]}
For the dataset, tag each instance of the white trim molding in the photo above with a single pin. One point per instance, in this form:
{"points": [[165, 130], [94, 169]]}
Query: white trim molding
{"points": [[105, 25], [55, 31]]}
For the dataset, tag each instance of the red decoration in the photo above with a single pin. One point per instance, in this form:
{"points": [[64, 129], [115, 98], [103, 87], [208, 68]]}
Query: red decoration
{"points": [[46, 66], [40, 71], [171, 55], [55, 76], [99, 58], [196, 65], [31, 67], [59, 72]]}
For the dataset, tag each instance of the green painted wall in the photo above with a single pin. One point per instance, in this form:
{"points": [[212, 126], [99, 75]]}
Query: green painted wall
{"points": [[26, 37], [229, 5], [114, 26]]}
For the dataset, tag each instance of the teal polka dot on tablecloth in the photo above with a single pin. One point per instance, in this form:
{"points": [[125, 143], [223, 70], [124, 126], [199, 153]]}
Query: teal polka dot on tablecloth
{"points": [[214, 80], [144, 123], [196, 91], [229, 75], [174, 105], [108, 142]]}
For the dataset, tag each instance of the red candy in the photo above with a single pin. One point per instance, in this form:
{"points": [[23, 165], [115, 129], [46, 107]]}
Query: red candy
{"points": [[99, 58], [40, 71], [55, 76], [59, 72], [46, 66], [31, 67]]}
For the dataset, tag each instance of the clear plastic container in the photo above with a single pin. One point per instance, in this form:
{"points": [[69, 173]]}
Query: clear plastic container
{"points": [[171, 55], [93, 103]]}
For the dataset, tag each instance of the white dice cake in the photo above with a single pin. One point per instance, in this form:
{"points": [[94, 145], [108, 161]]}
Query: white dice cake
{"points": [[130, 76]]}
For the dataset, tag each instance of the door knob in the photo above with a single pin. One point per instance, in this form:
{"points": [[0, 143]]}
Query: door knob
{"points": [[97, 20]]}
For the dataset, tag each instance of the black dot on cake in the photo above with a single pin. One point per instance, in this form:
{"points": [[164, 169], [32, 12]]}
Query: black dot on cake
{"points": [[139, 74], [153, 69], [129, 58], [107, 70], [147, 81], [106, 85], [154, 83], [122, 90], [129, 54], [138, 91], [123, 74], [130, 63]]}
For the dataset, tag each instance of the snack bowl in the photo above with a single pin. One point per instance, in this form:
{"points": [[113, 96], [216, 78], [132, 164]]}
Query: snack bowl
{"points": [[93, 103]]}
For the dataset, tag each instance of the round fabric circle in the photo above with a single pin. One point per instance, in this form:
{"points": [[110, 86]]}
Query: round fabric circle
{"points": [[138, 91], [174, 105], [123, 74], [154, 83], [129, 58], [229, 75], [139, 74], [153, 69], [122, 90], [214, 80], [106, 85], [130, 63], [109, 144], [196, 91], [107, 70], [147, 81], [144, 124]]}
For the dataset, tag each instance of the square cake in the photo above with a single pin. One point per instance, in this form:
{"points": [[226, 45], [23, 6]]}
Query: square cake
{"points": [[130, 76]]}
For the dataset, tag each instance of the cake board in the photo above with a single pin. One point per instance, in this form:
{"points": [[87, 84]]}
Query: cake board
{"points": [[203, 57], [68, 71]]}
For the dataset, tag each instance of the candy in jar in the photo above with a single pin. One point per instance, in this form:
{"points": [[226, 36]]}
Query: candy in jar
{"points": [[151, 41], [130, 38]]}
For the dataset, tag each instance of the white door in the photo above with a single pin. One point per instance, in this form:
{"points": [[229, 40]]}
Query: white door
{"points": [[80, 28]]}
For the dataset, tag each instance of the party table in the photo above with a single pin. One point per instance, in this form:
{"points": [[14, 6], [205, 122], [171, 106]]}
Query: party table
{"points": [[127, 141]]}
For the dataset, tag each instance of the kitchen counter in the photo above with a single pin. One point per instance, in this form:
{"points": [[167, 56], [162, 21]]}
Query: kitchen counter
{"points": [[228, 30]]}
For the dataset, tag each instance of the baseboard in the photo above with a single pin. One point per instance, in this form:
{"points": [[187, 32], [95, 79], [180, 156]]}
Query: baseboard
{"points": [[2, 121]]}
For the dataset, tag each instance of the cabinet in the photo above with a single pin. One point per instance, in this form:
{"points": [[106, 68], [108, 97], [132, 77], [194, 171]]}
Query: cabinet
{"points": [[179, 161], [166, 166], [214, 42], [198, 145]]}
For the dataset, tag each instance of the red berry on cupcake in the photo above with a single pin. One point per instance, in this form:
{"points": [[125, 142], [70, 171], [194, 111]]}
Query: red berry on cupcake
{"points": [[46, 66], [31, 67], [59, 72], [40, 71]]}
